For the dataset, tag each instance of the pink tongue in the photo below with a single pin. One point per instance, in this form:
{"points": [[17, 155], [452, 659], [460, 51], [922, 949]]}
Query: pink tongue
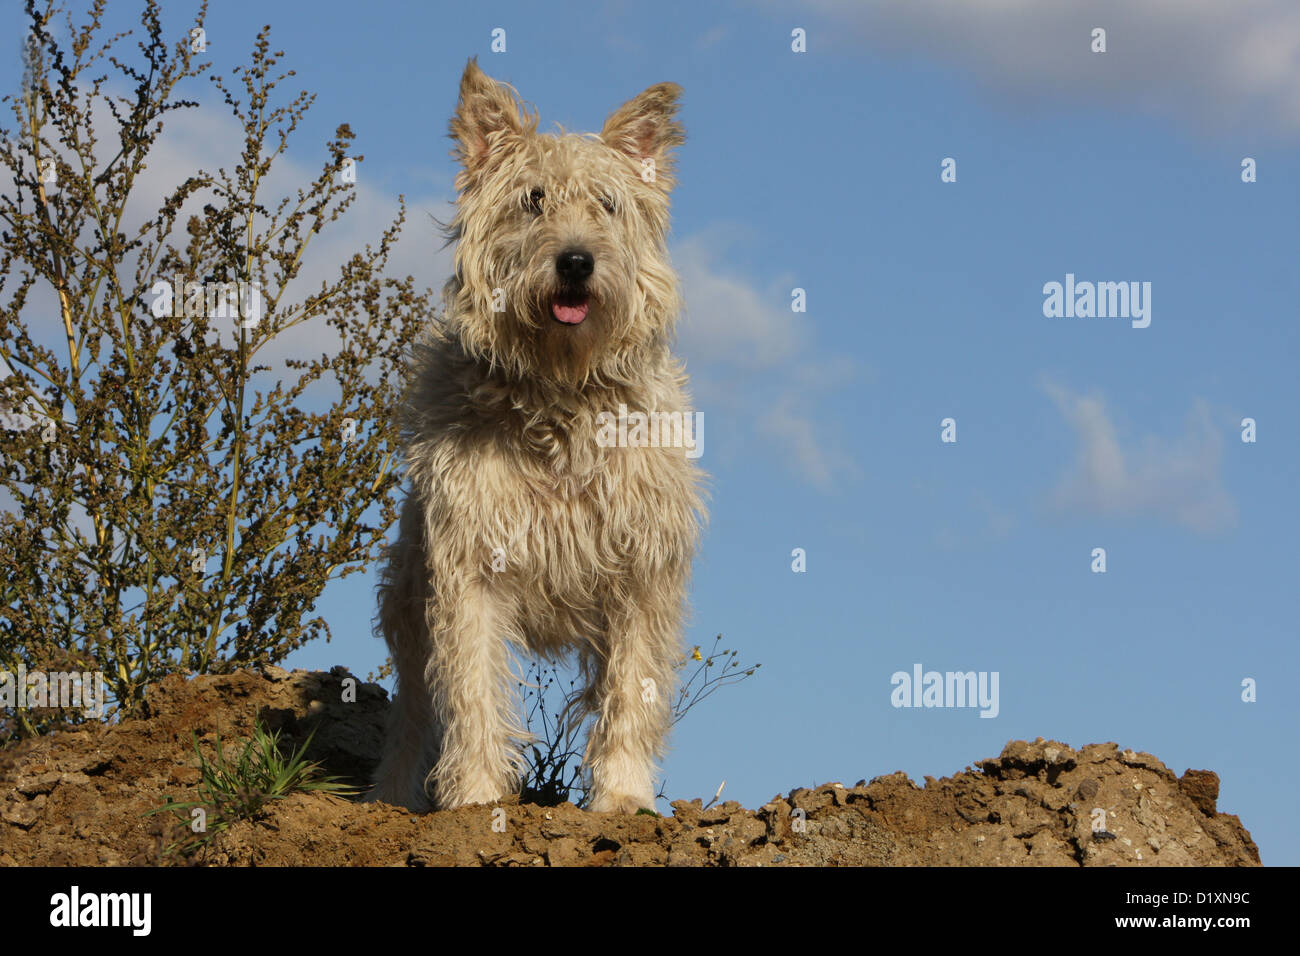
{"points": [[569, 314]]}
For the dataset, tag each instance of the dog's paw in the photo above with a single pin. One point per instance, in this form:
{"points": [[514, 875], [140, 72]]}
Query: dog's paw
{"points": [[482, 800], [620, 803], [483, 791]]}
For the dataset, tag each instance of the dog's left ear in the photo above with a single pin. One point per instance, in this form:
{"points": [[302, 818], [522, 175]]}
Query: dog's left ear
{"points": [[646, 129]]}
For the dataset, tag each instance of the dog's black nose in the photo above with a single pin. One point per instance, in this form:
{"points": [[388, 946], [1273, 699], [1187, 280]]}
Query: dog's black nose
{"points": [[575, 265]]}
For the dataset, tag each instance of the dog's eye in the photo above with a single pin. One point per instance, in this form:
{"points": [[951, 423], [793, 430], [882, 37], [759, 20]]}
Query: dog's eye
{"points": [[534, 202], [608, 204]]}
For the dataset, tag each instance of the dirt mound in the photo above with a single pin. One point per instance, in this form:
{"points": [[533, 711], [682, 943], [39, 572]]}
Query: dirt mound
{"points": [[80, 798]]}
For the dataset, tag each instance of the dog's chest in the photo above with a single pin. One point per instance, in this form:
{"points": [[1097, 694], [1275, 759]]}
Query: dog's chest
{"points": [[570, 498], [568, 475]]}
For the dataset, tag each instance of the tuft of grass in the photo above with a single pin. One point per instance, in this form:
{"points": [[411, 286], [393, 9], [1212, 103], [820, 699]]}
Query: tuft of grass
{"points": [[553, 770], [240, 787]]}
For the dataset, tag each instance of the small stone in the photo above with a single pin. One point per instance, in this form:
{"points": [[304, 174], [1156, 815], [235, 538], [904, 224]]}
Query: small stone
{"points": [[1202, 788], [43, 783], [185, 776]]}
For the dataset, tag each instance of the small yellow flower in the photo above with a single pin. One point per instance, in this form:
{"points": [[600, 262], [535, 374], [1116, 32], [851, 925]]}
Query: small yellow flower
{"points": [[695, 654]]}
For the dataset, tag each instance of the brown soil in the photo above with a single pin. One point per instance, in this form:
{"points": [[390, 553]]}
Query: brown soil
{"points": [[78, 798]]}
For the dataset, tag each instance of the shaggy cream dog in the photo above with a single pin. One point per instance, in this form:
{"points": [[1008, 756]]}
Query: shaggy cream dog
{"points": [[525, 528]]}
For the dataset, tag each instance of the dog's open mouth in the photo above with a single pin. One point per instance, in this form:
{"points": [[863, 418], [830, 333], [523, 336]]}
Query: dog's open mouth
{"points": [[570, 307]]}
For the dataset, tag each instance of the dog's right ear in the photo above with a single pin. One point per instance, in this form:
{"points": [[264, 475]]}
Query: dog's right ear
{"points": [[488, 117]]}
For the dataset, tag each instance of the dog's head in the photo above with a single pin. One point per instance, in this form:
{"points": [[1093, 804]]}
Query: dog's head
{"points": [[561, 268]]}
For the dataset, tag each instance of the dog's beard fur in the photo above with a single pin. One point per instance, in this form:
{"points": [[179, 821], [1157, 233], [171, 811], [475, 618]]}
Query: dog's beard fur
{"points": [[502, 455], [527, 341]]}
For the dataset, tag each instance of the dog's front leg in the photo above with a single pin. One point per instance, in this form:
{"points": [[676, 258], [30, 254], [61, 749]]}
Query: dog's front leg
{"points": [[469, 680], [635, 681]]}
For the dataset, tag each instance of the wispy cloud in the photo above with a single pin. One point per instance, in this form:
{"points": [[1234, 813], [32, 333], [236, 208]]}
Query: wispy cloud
{"points": [[210, 137], [1209, 64], [758, 364], [207, 138], [1175, 480]]}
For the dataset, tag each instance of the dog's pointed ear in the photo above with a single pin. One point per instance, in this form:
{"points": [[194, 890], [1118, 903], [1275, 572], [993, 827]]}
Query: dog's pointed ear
{"points": [[488, 116], [646, 129]]}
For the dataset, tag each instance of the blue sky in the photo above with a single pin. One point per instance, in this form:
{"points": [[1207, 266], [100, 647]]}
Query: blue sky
{"points": [[821, 171]]}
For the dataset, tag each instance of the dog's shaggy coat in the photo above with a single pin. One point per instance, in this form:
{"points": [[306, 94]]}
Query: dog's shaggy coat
{"points": [[521, 531]]}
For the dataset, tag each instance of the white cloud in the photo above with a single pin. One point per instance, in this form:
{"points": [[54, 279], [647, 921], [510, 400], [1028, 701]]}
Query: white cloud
{"points": [[760, 369], [725, 318], [1177, 480], [1210, 64], [210, 137]]}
